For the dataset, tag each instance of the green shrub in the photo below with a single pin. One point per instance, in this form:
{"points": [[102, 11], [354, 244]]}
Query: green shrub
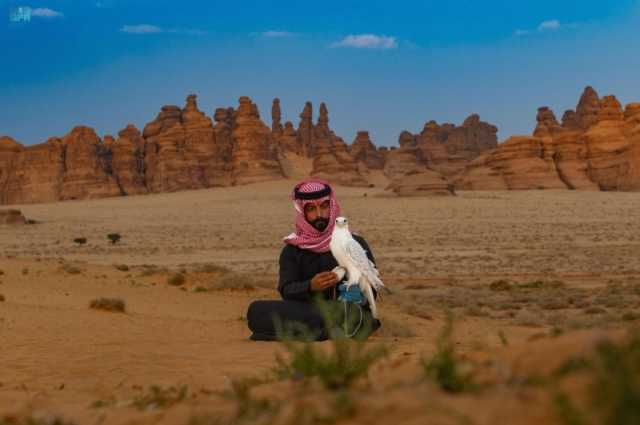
{"points": [[159, 397], [444, 367], [614, 388], [108, 304], [176, 279]]}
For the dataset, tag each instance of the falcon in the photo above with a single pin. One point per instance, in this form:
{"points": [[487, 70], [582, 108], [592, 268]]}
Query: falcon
{"points": [[353, 258]]}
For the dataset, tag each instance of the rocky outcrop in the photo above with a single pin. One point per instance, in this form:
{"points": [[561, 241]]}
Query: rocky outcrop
{"points": [[9, 152], [364, 151], [127, 160], [596, 147], [421, 183], [331, 158], [588, 107], [11, 217], [254, 154], [448, 148], [180, 149], [519, 164]]}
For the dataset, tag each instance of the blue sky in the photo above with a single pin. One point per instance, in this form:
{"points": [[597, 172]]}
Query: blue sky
{"points": [[379, 65]]}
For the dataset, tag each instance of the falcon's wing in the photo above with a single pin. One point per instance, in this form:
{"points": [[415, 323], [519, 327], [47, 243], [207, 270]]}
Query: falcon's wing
{"points": [[358, 256]]}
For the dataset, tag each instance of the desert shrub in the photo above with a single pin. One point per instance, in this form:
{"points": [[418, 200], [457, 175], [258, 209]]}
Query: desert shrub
{"points": [[158, 397], [500, 285], [614, 387], [121, 267], [2, 298], [114, 238], [70, 269], [444, 367], [233, 280], [345, 362], [211, 268], [177, 279], [108, 304], [150, 270], [25, 271], [80, 241]]}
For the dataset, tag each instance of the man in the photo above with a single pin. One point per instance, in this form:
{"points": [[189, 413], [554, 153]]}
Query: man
{"points": [[306, 265]]}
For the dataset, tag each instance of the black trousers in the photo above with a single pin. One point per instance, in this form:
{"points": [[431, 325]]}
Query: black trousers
{"points": [[304, 319]]}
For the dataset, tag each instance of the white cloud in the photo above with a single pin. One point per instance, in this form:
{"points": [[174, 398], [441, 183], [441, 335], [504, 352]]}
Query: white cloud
{"points": [[141, 29], [367, 41], [44, 12], [278, 34], [551, 25], [152, 29]]}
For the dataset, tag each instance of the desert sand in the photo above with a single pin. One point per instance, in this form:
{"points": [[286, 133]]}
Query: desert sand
{"points": [[575, 255]]}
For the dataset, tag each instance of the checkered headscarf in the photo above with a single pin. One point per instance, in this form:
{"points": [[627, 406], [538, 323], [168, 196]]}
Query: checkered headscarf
{"points": [[306, 236]]}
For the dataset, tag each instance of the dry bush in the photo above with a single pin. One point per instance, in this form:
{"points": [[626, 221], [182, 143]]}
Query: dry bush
{"points": [[108, 304], [2, 298], [71, 269], [121, 267], [211, 268], [234, 281], [151, 269], [177, 279], [159, 397]]}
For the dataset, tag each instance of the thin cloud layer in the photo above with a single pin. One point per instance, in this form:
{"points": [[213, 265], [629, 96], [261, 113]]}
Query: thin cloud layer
{"points": [[367, 41], [278, 34], [153, 29], [551, 25], [545, 26], [141, 29], [44, 12]]}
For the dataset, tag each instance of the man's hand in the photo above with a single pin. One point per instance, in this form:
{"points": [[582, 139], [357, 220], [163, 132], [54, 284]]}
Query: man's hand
{"points": [[324, 280]]}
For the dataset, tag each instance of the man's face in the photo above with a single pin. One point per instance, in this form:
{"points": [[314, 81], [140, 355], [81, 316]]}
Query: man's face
{"points": [[317, 215]]}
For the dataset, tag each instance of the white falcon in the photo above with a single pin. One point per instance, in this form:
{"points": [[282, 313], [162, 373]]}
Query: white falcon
{"points": [[351, 256]]}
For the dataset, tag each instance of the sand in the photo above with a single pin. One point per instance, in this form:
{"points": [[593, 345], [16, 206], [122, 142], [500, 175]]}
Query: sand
{"points": [[59, 357]]}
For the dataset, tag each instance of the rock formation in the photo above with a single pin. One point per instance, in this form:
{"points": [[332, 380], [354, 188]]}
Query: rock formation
{"points": [[11, 217], [423, 182], [596, 147], [254, 156], [364, 151], [331, 158]]}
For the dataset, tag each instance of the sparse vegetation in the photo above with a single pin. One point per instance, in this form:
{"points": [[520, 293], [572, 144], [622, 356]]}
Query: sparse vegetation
{"points": [[114, 238], [71, 269], [121, 267], [444, 367], [80, 241], [2, 298], [211, 268], [158, 397], [108, 304], [345, 361], [232, 280], [177, 279], [614, 389]]}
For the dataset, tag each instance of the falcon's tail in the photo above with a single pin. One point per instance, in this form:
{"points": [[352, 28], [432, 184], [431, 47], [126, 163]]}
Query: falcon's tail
{"points": [[375, 280], [368, 293]]}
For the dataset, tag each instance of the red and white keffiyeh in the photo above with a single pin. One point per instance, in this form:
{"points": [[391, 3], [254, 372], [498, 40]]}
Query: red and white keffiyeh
{"points": [[306, 236]]}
